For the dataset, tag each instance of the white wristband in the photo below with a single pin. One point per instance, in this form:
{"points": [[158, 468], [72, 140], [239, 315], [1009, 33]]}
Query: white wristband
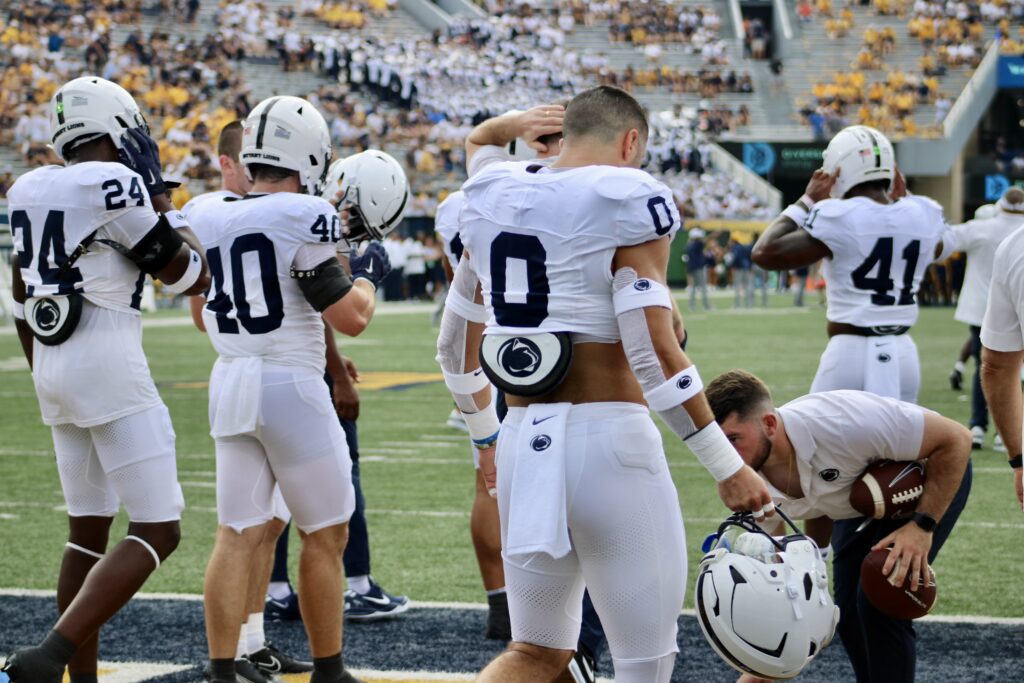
{"points": [[19, 311], [367, 281], [796, 213], [483, 426], [807, 202], [467, 383], [189, 277], [714, 450], [176, 219], [675, 391]]}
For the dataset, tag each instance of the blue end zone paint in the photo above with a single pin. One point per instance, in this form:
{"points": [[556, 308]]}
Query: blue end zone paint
{"points": [[451, 640]]}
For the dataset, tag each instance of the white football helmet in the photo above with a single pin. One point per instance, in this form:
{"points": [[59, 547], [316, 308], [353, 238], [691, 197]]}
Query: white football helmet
{"points": [[986, 211], [862, 154], [375, 189], [89, 107], [764, 603], [288, 132]]}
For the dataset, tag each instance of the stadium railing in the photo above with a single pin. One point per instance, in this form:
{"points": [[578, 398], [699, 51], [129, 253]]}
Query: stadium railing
{"points": [[427, 13]]}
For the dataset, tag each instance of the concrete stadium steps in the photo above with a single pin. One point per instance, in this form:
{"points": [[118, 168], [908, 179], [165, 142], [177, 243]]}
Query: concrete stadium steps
{"points": [[819, 57]]}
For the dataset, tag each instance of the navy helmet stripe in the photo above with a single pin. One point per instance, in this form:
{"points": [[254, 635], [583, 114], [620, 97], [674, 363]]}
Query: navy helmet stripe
{"points": [[263, 122]]}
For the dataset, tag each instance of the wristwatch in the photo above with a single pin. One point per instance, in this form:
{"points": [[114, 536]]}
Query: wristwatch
{"points": [[926, 522]]}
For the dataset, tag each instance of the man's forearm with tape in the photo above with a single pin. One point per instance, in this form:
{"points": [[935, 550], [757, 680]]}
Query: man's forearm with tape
{"points": [[456, 354], [666, 391]]}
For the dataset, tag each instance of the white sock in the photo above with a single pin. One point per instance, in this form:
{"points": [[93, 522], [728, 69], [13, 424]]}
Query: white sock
{"points": [[959, 366], [254, 632], [243, 643], [279, 590], [496, 591], [360, 584]]}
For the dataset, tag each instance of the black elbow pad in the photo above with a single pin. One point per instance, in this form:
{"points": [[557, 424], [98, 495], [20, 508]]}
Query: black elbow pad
{"points": [[157, 248], [323, 285]]}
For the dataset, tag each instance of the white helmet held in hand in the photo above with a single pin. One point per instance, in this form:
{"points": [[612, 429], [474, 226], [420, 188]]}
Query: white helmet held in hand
{"points": [[89, 107], [374, 188], [764, 603], [862, 154], [288, 132]]}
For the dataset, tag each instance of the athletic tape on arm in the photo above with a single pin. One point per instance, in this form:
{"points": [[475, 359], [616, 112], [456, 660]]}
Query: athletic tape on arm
{"points": [[192, 273]]}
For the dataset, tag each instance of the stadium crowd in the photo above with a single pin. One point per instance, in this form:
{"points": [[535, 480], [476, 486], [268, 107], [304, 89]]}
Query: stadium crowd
{"points": [[953, 35]]}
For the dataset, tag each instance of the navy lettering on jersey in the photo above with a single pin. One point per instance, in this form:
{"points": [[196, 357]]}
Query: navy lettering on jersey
{"points": [[531, 313], [222, 304]]}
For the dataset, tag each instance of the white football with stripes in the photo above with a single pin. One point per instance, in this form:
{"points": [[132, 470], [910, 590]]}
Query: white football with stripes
{"points": [[888, 489]]}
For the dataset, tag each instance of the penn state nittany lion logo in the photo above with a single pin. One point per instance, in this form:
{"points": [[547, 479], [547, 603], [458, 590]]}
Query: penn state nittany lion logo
{"points": [[540, 442], [642, 285], [519, 357], [46, 314], [684, 382], [830, 474], [884, 358]]}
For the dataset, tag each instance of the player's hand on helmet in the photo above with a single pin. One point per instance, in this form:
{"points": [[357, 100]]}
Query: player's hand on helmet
{"points": [[373, 264], [140, 153], [489, 469], [539, 121], [909, 555], [821, 184], [899, 187], [746, 491]]}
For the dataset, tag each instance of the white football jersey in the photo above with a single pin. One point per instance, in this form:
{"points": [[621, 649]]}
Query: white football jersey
{"points": [[879, 256], [541, 240], [446, 224], [254, 306], [53, 209], [194, 206], [835, 436]]}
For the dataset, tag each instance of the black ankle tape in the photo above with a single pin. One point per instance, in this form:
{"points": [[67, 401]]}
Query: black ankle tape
{"points": [[58, 648], [222, 669], [331, 667], [84, 677]]}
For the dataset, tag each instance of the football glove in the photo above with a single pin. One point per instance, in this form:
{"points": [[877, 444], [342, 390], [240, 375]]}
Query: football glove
{"points": [[140, 153], [373, 264]]}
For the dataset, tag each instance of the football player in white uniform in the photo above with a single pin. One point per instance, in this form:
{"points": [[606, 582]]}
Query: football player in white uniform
{"points": [[256, 658], [276, 277], [811, 451], [569, 262], [488, 144], [877, 241], [82, 253]]}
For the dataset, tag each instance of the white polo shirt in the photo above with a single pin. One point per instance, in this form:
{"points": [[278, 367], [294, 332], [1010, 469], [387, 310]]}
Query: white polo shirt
{"points": [[979, 240], [1001, 330], [836, 435]]}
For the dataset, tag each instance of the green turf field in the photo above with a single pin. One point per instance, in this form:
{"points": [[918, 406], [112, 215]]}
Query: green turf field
{"points": [[418, 478]]}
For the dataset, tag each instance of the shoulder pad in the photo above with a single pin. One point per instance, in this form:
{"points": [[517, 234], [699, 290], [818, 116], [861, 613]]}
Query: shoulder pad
{"points": [[619, 183], [98, 172], [928, 204], [305, 206], [489, 174], [831, 208]]}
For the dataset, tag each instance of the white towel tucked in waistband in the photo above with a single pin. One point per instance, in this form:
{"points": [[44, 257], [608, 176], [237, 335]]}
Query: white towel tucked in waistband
{"points": [[882, 367], [537, 516], [238, 401]]}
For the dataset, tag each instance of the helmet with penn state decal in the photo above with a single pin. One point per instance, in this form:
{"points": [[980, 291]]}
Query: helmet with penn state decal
{"points": [[88, 108], [288, 132], [374, 187], [763, 603], [861, 154]]}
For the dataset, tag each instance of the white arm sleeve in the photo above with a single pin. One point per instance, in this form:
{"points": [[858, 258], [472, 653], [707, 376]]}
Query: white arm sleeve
{"points": [[310, 255], [451, 356]]}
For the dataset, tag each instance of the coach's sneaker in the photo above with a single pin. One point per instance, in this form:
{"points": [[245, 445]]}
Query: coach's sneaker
{"points": [[286, 609], [583, 668], [374, 604], [997, 444], [977, 438], [499, 625], [272, 661], [457, 421], [956, 379]]}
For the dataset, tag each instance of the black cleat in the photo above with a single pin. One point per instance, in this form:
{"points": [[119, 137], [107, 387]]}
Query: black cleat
{"points": [[272, 661], [345, 677], [245, 672], [32, 665], [499, 625], [956, 380]]}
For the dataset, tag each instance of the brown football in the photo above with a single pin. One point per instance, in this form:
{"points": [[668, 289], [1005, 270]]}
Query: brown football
{"points": [[888, 489], [898, 602]]}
